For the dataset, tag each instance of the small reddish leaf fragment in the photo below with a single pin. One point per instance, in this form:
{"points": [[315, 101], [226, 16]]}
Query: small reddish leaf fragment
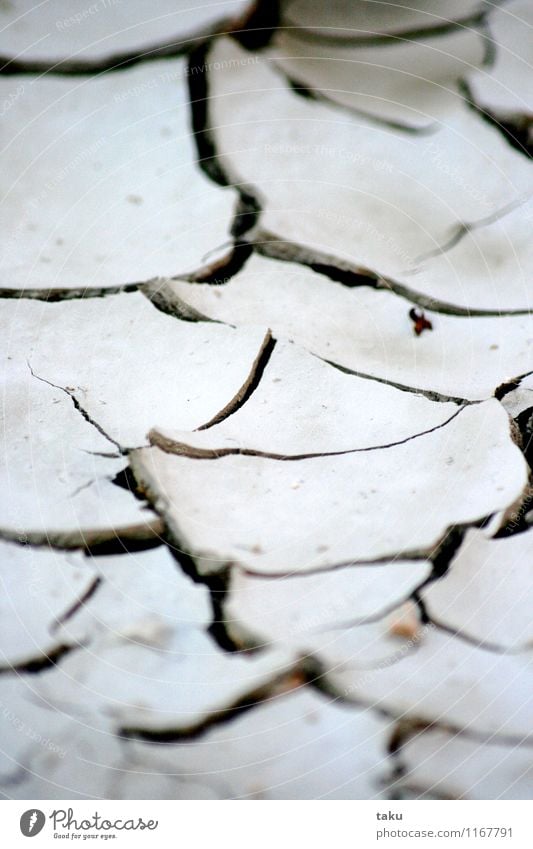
{"points": [[420, 322]]}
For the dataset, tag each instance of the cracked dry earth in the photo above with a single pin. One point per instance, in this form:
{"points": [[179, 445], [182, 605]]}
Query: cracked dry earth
{"points": [[266, 527]]}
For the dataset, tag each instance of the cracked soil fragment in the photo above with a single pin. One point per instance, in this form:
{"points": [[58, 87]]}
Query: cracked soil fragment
{"points": [[274, 516], [341, 184], [129, 365], [320, 742], [56, 469], [377, 79], [301, 406], [71, 35], [346, 616], [100, 185], [487, 591], [142, 597], [370, 331], [304, 525]]}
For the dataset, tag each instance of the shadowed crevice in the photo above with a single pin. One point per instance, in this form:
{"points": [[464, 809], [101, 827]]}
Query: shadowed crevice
{"points": [[258, 25], [248, 206]]}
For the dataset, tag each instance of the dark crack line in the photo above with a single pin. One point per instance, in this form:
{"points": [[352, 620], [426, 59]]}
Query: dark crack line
{"points": [[228, 267], [319, 96], [83, 412], [218, 630], [463, 229], [516, 131], [209, 162], [350, 624], [172, 304], [310, 672], [170, 446], [288, 682], [176, 48], [12, 66], [77, 605], [322, 683], [510, 385], [260, 22], [107, 455], [83, 486], [125, 480], [246, 222], [52, 295], [269, 245], [217, 584], [426, 393], [128, 540], [186, 556], [375, 39], [248, 207], [479, 643], [396, 790], [250, 384], [524, 424], [244, 218], [442, 560], [96, 540], [516, 521], [445, 552], [382, 560], [491, 51], [408, 730], [42, 662], [440, 555], [220, 272]]}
